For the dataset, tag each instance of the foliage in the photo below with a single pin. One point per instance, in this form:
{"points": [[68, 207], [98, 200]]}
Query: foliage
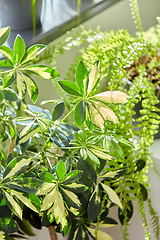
{"points": [[56, 173]]}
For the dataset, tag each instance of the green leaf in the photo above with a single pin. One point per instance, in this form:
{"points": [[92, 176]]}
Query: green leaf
{"points": [[2, 97], [29, 199], [19, 48], [81, 75], [123, 141], [10, 94], [9, 79], [29, 135], [83, 152], [49, 200], [8, 53], [4, 34], [8, 225], [72, 177], [112, 195], [13, 205], [128, 212], [70, 87], [47, 177], [32, 88], [16, 166], [5, 65], [117, 149], [33, 52], [140, 164], [60, 170], [21, 85], [94, 76], [115, 174], [95, 204], [26, 184], [93, 157], [71, 198], [25, 227], [58, 111], [80, 113], [2, 130], [88, 170], [45, 188], [43, 71], [75, 187], [101, 235], [59, 209]]}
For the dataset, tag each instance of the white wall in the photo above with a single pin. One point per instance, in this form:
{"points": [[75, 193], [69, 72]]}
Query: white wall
{"points": [[116, 17]]}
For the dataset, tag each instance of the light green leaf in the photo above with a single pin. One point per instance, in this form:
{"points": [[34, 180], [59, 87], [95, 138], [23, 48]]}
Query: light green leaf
{"points": [[101, 235], [8, 53], [13, 205], [93, 157], [27, 202], [80, 113], [81, 75], [19, 48], [21, 85], [16, 165], [43, 71], [33, 52], [9, 79], [49, 200], [117, 149], [60, 170], [2, 97], [59, 209], [112, 195], [99, 153], [58, 111], [45, 188], [4, 34], [32, 88]]}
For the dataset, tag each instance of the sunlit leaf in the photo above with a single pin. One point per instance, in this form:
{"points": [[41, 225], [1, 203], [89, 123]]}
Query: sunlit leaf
{"points": [[80, 113], [60, 170], [33, 52], [81, 75], [7, 53], [43, 71], [13, 205], [58, 111], [19, 48], [4, 34], [70, 87]]}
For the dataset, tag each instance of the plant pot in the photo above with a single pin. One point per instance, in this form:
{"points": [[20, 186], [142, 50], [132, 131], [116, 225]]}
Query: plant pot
{"points": [[18, 13], [138, 106]]}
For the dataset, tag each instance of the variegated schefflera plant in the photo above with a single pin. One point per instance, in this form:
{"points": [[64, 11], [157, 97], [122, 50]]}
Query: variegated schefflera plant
{"points": [[55, 173]]}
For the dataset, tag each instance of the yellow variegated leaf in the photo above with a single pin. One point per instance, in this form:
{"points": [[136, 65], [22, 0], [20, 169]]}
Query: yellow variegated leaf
{"points": [[24, 200], [59, 209], [112, 97], [100, 154], [16, 209], [93, 77], [19, 165], [45, 188], [49, 200], [74, 211], [103, 225], [30, 134], [112, 195], [101, 235], [95, 117], [72, 196]]}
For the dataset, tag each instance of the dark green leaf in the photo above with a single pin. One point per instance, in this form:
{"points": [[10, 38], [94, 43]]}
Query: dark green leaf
{"points": [[8, 225], [88, 170], [19, 48], [70, 198], [10, 94], [80, 113], [58, 111], [4, 211], [47, 177], [60, 170], [72, 176], [4, 34], [140, 164], [144, 192], [81, 75], [129, 212], [95, 204], [70, 87], [25, 226]]}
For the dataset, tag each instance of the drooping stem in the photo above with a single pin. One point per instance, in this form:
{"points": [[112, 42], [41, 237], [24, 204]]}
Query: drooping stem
{"points": [[52, 233]]}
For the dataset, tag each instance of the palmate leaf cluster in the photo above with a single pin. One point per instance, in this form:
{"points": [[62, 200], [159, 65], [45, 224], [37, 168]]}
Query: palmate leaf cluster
{"points": [[117, 51], [53, 172]]}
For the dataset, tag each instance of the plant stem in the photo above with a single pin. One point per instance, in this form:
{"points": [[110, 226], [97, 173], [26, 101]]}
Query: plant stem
{"points": [[52, 233]]}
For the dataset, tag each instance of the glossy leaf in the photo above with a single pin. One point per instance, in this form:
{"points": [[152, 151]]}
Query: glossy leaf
{"points": [[81, 75], [32, 88], [94, 76], [19, 48], [9, 79], [112, 195], [33, 52], [21, 85], [88, 170], [8, 225], [13, 205], [71, 198], [94, 206], [7, 53], [25, 227], [101, 235], [59, 209], [60, 170], [16, 166], [47, 177], [4, 34], [75, 187], [72, 176], [140, 164], [117, 149], [5, 65], [129, 211], [80, 113], [115, 174], [45, 188], [70, 87], [10, 94], [93, 157], [58, 111], [43, 71], [49, 200]]}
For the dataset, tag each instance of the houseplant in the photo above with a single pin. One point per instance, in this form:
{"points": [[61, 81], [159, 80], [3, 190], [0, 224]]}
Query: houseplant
{"points": [[56, 172], [20, 15]]}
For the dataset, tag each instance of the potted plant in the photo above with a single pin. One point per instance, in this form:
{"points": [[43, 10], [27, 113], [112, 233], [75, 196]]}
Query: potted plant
{"points": [[20, 15], [62, 169]]}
